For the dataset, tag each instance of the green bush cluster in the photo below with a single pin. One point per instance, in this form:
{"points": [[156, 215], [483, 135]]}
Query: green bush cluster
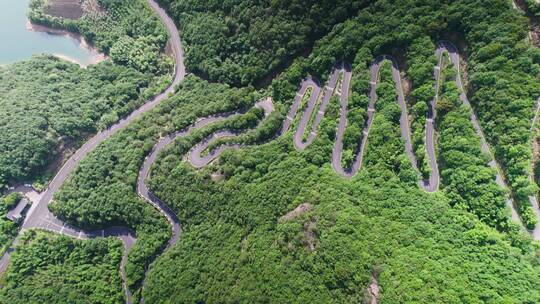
{"points": [[128, 31], [101, 191], [242, 42], [49, 268], [8, 228], [48, 106]]}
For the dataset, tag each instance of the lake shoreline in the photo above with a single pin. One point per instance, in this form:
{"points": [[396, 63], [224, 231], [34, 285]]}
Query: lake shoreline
{"points": [[95, 55]]}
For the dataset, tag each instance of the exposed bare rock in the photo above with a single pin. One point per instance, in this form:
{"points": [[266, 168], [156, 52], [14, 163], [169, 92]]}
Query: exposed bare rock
{"points": [[373, 291], [301, 209], [217, 176], [309, 234]]}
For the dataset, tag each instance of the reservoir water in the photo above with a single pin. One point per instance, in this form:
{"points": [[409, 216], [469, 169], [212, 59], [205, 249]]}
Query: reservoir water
{"points": [[18, 42]]}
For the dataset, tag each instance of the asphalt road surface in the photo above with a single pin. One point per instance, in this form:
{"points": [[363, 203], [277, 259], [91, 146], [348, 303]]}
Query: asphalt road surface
{"points": [[429, 185], [39, 215], [311, 121]]}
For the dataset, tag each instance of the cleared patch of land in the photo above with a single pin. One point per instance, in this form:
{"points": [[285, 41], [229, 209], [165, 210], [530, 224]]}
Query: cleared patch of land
{"points": [[301, 209], [70, 9]]}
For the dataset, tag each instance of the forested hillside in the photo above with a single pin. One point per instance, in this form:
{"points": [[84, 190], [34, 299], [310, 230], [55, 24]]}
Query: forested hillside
{"points": [[234, 227], [49, 268], [244, 40], [270, 223], [48, 105], [503, 70], [242, 43], [502, 67], [46, 102], [235, 233]]}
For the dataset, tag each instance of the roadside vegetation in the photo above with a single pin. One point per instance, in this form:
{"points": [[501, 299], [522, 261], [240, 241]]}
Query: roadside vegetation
{"points": [[245, 41], [49, 106], [357, 107], [8, 229], [50, 268], [239, 241], [466, 177], [385, 146], [421, 61], [126, 30]]}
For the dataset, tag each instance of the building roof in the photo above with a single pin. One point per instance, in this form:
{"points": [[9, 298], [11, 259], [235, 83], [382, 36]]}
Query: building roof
{"points": [[17, 212]]}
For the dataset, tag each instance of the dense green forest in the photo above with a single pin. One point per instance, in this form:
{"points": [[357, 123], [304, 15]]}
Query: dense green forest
{"points": [[48, 106], [240, 241], [8, 229], [126, 30], [244, 41], [466, 177], [49, 268], [236, 232]]}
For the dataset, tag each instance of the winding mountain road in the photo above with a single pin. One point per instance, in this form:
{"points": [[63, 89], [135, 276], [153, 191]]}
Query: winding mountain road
{"points": [[39, 215], [195, 159], [430, 185], [195, 155]]}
